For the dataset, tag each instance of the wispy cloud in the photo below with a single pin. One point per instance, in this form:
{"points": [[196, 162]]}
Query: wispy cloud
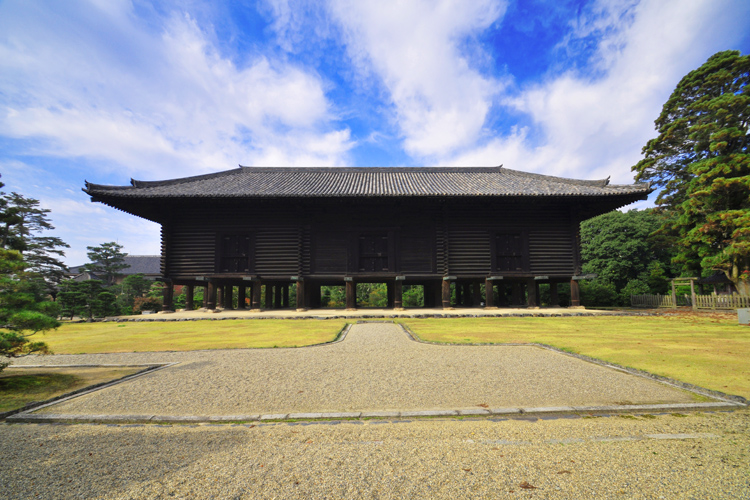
{"points": [[156, 101], [414, 49], [593, 123]]}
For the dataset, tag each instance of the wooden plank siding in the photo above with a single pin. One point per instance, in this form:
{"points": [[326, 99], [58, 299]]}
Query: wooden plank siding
{"points": [[468, 248], [427, 239], [192, 253], [277, 251]]}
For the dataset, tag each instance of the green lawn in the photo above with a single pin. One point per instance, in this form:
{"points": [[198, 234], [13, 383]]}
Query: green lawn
{"points": [[711, 352], [19, 386], [76, 338]]}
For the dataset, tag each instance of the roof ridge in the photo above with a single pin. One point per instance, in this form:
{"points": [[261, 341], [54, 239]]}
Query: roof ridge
{"points": [[433, 169], [181, 180], [564, 180]]}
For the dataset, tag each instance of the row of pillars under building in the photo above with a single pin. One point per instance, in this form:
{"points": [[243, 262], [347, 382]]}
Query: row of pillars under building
{"points": [[220, 294]]}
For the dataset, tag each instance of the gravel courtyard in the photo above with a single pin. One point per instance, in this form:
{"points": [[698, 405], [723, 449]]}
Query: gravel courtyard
{"points": [[691, 456], [377, 367]]}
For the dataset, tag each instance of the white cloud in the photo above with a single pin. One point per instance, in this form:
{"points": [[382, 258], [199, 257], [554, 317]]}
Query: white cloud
{"points": [[593, 127], [159, 103], [441, 101]]}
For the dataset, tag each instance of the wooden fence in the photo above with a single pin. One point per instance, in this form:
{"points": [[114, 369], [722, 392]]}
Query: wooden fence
{"points": [[713, 301], [733, 301]]}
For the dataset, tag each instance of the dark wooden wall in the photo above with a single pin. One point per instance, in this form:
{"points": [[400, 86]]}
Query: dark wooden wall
{"points": [[322, 238]]}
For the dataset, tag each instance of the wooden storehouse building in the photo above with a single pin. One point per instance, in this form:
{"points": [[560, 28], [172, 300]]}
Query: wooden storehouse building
{"points": [[293, 230]]}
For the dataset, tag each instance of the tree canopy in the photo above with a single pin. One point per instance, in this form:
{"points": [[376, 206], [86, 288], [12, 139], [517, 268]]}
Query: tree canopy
{"points": [[22, 227], [87, 299], [619, 247], [107, 259], [700, 162], [28, 272]]}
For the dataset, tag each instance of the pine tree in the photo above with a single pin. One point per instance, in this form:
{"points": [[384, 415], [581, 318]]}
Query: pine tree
{"points": [[22, 222], [107, 259]]}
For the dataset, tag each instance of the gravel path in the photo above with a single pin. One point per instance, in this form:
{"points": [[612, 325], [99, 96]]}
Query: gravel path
{"points": [[698, 456], [377, 367]]}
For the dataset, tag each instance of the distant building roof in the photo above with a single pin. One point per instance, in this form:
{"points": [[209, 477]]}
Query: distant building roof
{"points": [[717, 278], [137, 264], [256, 182]]}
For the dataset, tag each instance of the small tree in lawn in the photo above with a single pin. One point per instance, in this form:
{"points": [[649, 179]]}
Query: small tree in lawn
{"points": [[131, 288], [107, 259], [87, 299]]}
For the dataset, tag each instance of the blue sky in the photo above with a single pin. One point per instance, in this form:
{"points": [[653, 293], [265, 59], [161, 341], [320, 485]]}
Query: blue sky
{"points": [[106, 90]]}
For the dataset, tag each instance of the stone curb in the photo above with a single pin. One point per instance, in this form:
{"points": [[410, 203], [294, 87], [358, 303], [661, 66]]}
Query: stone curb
{"points": [[448, 314], [28, 417], [38, 405]]}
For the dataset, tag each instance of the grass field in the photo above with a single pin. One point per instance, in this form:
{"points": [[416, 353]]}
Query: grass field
{"points": [[708, 351], [19, 386], [84, 338]]}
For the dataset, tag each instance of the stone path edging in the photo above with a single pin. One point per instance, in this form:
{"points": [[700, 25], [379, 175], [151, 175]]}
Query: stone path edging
{"points": [[344, 315], [38, 405], [25, 417]]}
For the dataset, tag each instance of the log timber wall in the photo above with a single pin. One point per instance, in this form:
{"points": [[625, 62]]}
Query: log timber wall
{"points": [[429, 242]]}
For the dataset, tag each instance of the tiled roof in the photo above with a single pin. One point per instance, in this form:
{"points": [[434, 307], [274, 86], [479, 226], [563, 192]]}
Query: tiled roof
{"points": [[256, 182], [137, 264]]}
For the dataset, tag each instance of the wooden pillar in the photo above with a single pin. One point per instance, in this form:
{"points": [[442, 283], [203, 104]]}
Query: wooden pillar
{"points": [[255, 294], [476, 294], [205, 297], [692, 295], [212, 292], [351, 295], [219, 296], [168, 296], [674, 296], [241, 297], [575, 294], [398, 289], [269, 296], [189, 292], [554, 297], [277, 296], [489, 293], [446, 294], [228, 289], [301, 299], [532, 289], [390, 295]]}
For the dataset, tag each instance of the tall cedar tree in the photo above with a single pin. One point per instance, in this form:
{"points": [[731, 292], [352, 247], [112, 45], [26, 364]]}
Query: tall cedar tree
{"points": [[107, 259], [700, 161]]}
